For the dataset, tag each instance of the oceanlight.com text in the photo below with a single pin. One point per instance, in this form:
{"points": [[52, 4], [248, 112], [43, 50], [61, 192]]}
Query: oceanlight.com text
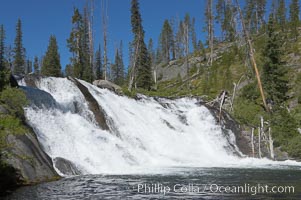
{"points": [[252, 189]]}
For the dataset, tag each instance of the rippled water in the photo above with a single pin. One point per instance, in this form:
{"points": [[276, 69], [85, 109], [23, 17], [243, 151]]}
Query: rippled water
{"points": [[191, 179]]}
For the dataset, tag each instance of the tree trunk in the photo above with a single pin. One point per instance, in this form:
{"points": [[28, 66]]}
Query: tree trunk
{"points": [[259, 142], [252, 143], [104, 29], [251, 54]]}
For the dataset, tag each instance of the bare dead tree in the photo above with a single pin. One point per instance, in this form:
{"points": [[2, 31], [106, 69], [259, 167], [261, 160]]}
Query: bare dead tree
{"points": [[251, 55], [91, 34], [186, 46], [209, 15], [252, 142], [134, 67], [104, 9]]}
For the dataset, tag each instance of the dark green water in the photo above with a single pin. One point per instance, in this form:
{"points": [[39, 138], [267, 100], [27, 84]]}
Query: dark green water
{"points": [[187, 183]]}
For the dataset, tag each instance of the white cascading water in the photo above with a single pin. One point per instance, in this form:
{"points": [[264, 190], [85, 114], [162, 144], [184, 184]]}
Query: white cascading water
{"points": [[146, 135]]}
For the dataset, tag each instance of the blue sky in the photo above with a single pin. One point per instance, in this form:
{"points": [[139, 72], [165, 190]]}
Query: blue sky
{"points": [[41, 18]]}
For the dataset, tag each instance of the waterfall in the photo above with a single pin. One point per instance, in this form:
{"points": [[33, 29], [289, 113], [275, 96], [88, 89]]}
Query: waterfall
{"points": [[145, 135]]}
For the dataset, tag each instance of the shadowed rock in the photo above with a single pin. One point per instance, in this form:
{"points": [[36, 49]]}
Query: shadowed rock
{"points": [[65, 166], [27, 161], [98, 112], [228, 123]]}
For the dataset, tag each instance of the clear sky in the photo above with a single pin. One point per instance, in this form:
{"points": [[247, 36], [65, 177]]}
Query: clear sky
{"points": [[41, 18]]}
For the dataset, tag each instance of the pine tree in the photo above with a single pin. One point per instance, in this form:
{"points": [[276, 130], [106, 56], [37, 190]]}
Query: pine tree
{"points": [[274, 80], [74, 44], [166, 41], [36, 65], [281, 15], [69, 70], [179, 41], [210, 29], [85, 49], [294, 18], [193, 36], [4, 72], [151, 51], [28, 68], [249, 13], [225, 16], [19, 62], [261, 11], [152, 55], [141, 69], [118, 69], [122, 67], [98, 64], [2, 38], [275, 5], [51, 63]]}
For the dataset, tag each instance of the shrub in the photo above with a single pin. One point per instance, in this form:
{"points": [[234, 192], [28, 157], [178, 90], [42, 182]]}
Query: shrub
{"points": [[14, 100]]}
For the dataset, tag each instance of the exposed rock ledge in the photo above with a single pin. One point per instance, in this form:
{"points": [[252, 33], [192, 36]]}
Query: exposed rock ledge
{"points": [[27, 163], [108, 85], [243, 138]]}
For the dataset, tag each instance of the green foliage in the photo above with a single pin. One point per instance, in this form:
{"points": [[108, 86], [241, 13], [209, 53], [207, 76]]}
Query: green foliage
{"points": [[166, 41], [98, 64], [281, 15], [294, 147], [193, 69], [9, 125], [117, 69], [284, 127], [14, 100], [2, 47], [19, 51], [250, 92], [255, 14], [225, 14], [142, 73], [248, 112], [51, 64], [273, 77], [78, 44], [128, 93], [294, 18], [36, 65]]}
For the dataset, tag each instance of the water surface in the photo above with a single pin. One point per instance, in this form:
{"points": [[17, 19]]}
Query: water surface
{"points": [[184, 183]]}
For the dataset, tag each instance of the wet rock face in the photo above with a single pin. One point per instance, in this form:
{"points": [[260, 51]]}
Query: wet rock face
{"points": [[66, 167], [244, 138], [98, 112], [228, 123], [38, 97], [108, 85], [26, 161]]}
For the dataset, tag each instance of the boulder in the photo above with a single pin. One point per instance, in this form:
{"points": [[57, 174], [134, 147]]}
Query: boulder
{"points": [[25, 162], [99, 113], [108, 85], [13, 81], [65, 166]]}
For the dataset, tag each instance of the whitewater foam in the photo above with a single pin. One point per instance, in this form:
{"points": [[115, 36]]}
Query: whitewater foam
{"points": [[145, 135]]}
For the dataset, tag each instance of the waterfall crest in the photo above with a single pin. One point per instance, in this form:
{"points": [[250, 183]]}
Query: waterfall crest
{"points": [[144, 135]]}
